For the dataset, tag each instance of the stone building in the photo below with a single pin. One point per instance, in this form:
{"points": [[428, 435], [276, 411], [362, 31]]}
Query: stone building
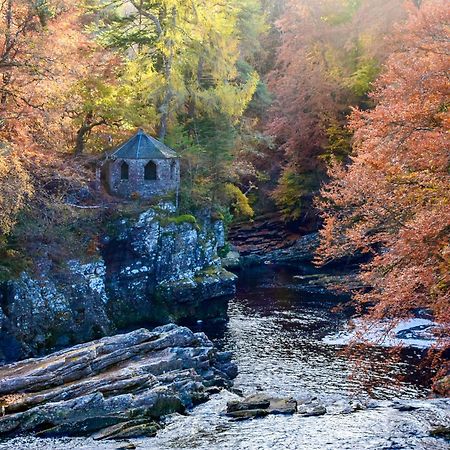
{"points": [[141, 166]]}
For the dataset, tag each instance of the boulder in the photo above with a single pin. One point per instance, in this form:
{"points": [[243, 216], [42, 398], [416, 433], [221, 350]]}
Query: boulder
{"points": [[442, 386], [259, 405], [312, 410], [232, 260], [115, 387]]}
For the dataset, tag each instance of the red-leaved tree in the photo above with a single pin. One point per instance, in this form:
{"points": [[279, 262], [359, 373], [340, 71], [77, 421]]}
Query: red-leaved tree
{"points": [[393, 200], [329, 53]]}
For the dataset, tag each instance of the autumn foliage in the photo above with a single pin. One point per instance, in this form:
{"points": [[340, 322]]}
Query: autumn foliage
{"points": [[330, 52], [15, 188], [393, 200], [76, 77]]}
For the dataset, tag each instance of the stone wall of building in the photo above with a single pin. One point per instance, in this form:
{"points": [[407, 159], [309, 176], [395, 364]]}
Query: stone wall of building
{"points": [[168, 177]]}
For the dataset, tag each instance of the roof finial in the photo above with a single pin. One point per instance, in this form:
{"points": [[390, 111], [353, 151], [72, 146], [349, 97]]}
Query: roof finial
{"points": [[140, 131]]}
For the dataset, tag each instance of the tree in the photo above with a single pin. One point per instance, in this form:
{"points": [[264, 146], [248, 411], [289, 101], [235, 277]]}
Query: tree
{"points": [[191, 50], [392, 201], [15, 188], [330, 53], [42, 48], [42, 51], [192, 73], [96, 98]]}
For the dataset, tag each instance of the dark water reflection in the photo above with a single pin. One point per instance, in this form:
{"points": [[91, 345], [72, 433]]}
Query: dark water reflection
{"points": [[276, 332]]}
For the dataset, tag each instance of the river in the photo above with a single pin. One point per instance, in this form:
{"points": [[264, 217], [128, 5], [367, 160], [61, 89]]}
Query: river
{"points": [[276, 333]]}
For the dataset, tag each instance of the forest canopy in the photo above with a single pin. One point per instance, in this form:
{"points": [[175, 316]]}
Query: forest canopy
{"points": [[333, 109]]}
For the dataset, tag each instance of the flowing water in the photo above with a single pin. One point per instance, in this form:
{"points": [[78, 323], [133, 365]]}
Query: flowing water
{"points": [[276, 332]]}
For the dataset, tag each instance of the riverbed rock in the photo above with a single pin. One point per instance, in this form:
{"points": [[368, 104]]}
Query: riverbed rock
{"points": [[259, 405], [312, 410], [155, 267], [115, 387], [257, 401], [126, 446], [232, 260], [442, 386], [441, 432]]}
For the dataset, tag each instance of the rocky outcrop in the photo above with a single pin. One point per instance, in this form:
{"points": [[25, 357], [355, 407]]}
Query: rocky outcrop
{"points": [[112, 388], [301, 250], [338, 278], [164, 267], [341, 284], [265, 234], [153, 269], [269, 239]]}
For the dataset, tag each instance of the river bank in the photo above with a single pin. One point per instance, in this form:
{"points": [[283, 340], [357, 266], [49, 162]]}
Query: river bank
{"points": [[276, 333]]}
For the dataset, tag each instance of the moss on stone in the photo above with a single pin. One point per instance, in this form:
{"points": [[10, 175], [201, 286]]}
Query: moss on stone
{"points": [[178, 220], [223, 251]]}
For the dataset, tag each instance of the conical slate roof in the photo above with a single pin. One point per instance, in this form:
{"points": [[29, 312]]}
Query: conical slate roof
{"points": [[143, 146]]}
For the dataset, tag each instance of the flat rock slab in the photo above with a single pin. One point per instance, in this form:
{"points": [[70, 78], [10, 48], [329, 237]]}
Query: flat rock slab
{"points": [[312, 410], [112, 388], [259, 405]]}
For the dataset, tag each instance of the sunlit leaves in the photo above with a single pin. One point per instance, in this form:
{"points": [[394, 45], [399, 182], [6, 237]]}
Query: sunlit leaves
{"points": [[393, 200], [15, 188], [330, 54]]}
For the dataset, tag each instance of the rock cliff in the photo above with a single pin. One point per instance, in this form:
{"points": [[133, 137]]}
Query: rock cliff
{"points": [[153, 269]]}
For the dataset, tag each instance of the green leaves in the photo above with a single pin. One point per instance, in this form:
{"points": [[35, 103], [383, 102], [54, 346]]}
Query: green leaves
{"points": [[360, 81], [343, 13], [339, 145], [293, 185], [188, 52]]}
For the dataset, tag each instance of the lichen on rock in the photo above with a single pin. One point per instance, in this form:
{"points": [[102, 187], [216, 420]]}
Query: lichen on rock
{"points": [[153, 269]]}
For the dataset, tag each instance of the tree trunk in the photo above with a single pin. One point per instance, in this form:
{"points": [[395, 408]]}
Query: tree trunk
{"points": [[87, 126], [6, 78], [80, 140], [165, 105]]}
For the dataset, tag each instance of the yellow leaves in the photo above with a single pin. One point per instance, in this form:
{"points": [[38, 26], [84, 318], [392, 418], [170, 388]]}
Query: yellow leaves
{"points": [[15, 187], [239, 201], [228, 98], [184, 55]]}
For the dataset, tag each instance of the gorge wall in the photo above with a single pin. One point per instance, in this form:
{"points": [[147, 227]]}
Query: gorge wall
{"points": [[153, 269]]}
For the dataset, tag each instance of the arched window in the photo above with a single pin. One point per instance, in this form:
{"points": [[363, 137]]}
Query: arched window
{"points": [[124, 171], [150, 172], [173, 170]]}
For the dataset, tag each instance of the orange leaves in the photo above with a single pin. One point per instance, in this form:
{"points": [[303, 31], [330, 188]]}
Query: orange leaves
{"points": [[395, 196], [330, 54], [44, 59], [15, 188]]}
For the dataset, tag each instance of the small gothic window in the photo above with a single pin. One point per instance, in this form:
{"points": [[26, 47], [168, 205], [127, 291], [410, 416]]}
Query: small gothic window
{"points": [[173, 169], [150, 172], [124, 171]]}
